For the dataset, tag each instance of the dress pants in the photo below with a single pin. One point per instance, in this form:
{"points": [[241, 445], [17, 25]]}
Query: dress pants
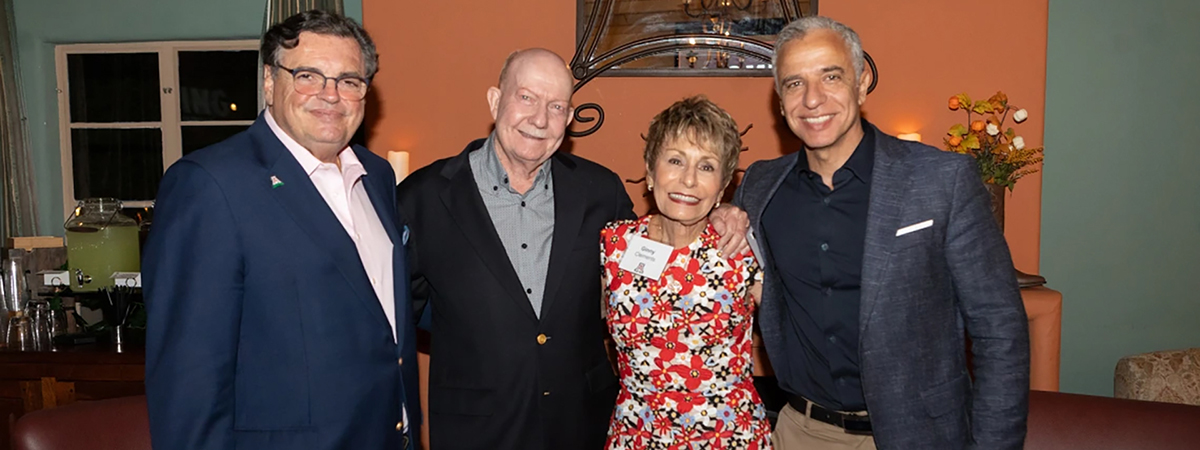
{"points": [[796, 431]]}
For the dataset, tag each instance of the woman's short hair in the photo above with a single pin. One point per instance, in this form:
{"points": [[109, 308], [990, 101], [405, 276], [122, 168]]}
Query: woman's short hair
{"points": [[701, 122]]}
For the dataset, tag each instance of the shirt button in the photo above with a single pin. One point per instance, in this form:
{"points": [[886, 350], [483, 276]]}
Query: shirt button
{"points": [[528, 291], [824, 246], [522, 204], [524, 245], [400, 361], [495, 188], [833, 339], [825, 200], [827, 291], [399, 426], [545, 393], [541, 339]]}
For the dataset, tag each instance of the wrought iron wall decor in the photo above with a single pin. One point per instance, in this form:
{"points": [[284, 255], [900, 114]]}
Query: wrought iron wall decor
{"points": [[677, 38]]}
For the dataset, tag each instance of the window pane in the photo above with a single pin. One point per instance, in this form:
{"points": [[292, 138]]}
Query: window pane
{"points": [[198, 137], [121, 163], [218, 85], [114, 87]]}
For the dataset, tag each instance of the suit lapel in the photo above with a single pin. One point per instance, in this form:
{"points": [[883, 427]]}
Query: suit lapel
{"points": [[381, 196], [568, 218], [890, 181], [466, 206], [304, 204]]}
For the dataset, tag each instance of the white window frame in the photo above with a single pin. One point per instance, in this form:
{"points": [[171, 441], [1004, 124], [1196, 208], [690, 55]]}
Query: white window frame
{"points": [[168, 79]]}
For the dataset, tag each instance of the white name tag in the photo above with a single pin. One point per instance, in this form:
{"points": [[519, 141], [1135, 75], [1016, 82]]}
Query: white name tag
{"points": [[645, 257]]}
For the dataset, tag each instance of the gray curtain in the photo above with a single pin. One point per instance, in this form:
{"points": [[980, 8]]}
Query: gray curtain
{"points": [[277, 10], [19, 201]]}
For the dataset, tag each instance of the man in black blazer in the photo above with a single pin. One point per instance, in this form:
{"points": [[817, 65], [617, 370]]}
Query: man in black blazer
{"points": [[505, 247], [880, 256]]}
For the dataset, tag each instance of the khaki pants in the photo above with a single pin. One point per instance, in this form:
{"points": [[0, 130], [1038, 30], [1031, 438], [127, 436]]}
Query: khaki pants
{"points": [[796, 431]]}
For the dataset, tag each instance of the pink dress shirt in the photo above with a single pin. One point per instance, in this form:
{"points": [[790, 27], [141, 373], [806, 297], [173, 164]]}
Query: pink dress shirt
{"points": [[343, 191]]}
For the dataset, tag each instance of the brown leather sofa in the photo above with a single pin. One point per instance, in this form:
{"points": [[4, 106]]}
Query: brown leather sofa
{"points": [[114, 424], [1056, 422], [1060, 421]]}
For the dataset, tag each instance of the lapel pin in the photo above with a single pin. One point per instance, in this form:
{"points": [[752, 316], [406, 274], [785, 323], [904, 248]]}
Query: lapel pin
{"points": [[275, 182]]}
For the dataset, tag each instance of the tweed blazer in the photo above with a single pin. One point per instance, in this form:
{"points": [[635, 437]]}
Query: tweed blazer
{"points": [[925, 291]]}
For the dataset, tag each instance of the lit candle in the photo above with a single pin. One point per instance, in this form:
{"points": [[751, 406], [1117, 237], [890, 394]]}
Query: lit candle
{"points": [[915, 137], [399, 162]]}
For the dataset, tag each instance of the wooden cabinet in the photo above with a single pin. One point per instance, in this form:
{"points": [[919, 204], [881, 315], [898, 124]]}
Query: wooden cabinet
{"points": [[30, 381]]}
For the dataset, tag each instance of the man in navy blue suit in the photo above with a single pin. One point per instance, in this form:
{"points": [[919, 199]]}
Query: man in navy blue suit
{"points": [[275, 276]]}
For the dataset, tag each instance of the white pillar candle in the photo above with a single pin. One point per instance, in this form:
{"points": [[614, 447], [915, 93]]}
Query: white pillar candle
{"points": [[399, 162], [915, 137]]}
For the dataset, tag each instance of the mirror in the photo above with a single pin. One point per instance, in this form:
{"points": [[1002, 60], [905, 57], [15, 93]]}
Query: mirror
{"points": [[680, 37]]}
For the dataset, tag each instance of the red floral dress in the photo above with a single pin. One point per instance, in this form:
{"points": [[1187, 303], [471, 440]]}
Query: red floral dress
{"points": [[683, 343]]}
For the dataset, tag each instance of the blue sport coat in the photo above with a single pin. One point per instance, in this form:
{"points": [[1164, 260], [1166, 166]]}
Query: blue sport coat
{"points": [[264, 331], [936, 270]]}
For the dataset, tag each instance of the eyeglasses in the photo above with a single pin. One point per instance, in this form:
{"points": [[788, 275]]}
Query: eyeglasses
{"points": [[311, 82]]}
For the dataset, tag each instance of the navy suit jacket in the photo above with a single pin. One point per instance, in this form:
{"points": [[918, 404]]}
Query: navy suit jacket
{"points": [[264, 331], [493, 383], [923, 293]]}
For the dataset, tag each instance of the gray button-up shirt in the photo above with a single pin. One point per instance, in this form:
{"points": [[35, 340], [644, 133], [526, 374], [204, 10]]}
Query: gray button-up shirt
{"points": [[525, 223]]}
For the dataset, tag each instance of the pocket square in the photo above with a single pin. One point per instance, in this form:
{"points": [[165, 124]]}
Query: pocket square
{"points": [[914, 227]]}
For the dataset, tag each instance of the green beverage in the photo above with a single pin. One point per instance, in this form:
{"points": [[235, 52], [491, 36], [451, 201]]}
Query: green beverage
{"points": [[100, 253]]}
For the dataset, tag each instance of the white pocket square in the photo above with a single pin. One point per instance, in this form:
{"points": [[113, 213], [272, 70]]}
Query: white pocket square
{"points": [[914, 227]]}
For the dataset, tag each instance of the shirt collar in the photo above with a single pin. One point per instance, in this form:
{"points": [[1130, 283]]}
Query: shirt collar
{"points": [[351, 166], [861, 162], [494, 173]]}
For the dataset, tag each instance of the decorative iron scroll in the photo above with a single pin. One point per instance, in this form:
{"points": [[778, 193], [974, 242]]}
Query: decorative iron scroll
{"points": [[709, 44]]}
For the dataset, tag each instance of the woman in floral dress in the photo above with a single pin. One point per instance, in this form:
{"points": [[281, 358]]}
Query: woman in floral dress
{"points": [[683, 329]]}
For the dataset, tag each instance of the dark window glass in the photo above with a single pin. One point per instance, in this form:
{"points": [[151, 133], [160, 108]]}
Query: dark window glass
{"points": [[120, 163], [218, 85], [114, 87], [198, 137]]}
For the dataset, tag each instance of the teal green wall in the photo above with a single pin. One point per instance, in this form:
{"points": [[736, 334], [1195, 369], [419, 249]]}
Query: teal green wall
{"points": [[1121, 191], [41, 24]]}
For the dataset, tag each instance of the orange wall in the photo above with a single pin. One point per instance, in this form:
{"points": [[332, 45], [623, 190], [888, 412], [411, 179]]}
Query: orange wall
{"points": [[439, 57]]}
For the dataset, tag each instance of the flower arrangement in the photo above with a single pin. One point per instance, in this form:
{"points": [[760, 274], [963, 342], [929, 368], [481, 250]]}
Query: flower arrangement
{"points": [[1002, 157]]}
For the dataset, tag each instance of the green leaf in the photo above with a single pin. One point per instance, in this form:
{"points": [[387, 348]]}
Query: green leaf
{"points": [[971, 142], [958, 130], [965, 100], [982, 107]]}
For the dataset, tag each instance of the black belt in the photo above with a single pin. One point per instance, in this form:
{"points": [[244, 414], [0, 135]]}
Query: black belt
{"points": [[854, 424]]}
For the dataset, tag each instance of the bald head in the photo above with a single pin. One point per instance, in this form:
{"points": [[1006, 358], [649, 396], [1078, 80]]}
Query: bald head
{"points": [[540, 59], [532, 108]]}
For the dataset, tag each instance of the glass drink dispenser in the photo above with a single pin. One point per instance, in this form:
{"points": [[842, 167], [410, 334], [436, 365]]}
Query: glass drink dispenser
{"points": [[100, 241]]}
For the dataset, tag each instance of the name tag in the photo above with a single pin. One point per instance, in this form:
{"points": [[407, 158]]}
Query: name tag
{"points": [[645, 257]]}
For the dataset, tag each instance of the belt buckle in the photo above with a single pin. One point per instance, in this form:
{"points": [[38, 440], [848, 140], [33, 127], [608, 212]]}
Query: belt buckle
{"points": [[854, 425]]}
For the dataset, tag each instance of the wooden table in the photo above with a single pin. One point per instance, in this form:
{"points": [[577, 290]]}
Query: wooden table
{"points": [[30, 381]]}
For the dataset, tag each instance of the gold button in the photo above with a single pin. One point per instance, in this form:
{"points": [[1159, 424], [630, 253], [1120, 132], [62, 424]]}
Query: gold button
{"points": [[401, 361], [541, 339], [399, 426], [546, 393]]}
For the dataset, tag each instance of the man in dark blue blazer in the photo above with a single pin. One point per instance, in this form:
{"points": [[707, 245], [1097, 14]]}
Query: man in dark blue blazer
{"points": [[275, 277], [881, 257]]}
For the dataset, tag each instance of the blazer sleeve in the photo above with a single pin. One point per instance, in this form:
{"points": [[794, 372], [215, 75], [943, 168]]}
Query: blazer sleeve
{"points": [[624, 206], [193, 288], [994, 314]]}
